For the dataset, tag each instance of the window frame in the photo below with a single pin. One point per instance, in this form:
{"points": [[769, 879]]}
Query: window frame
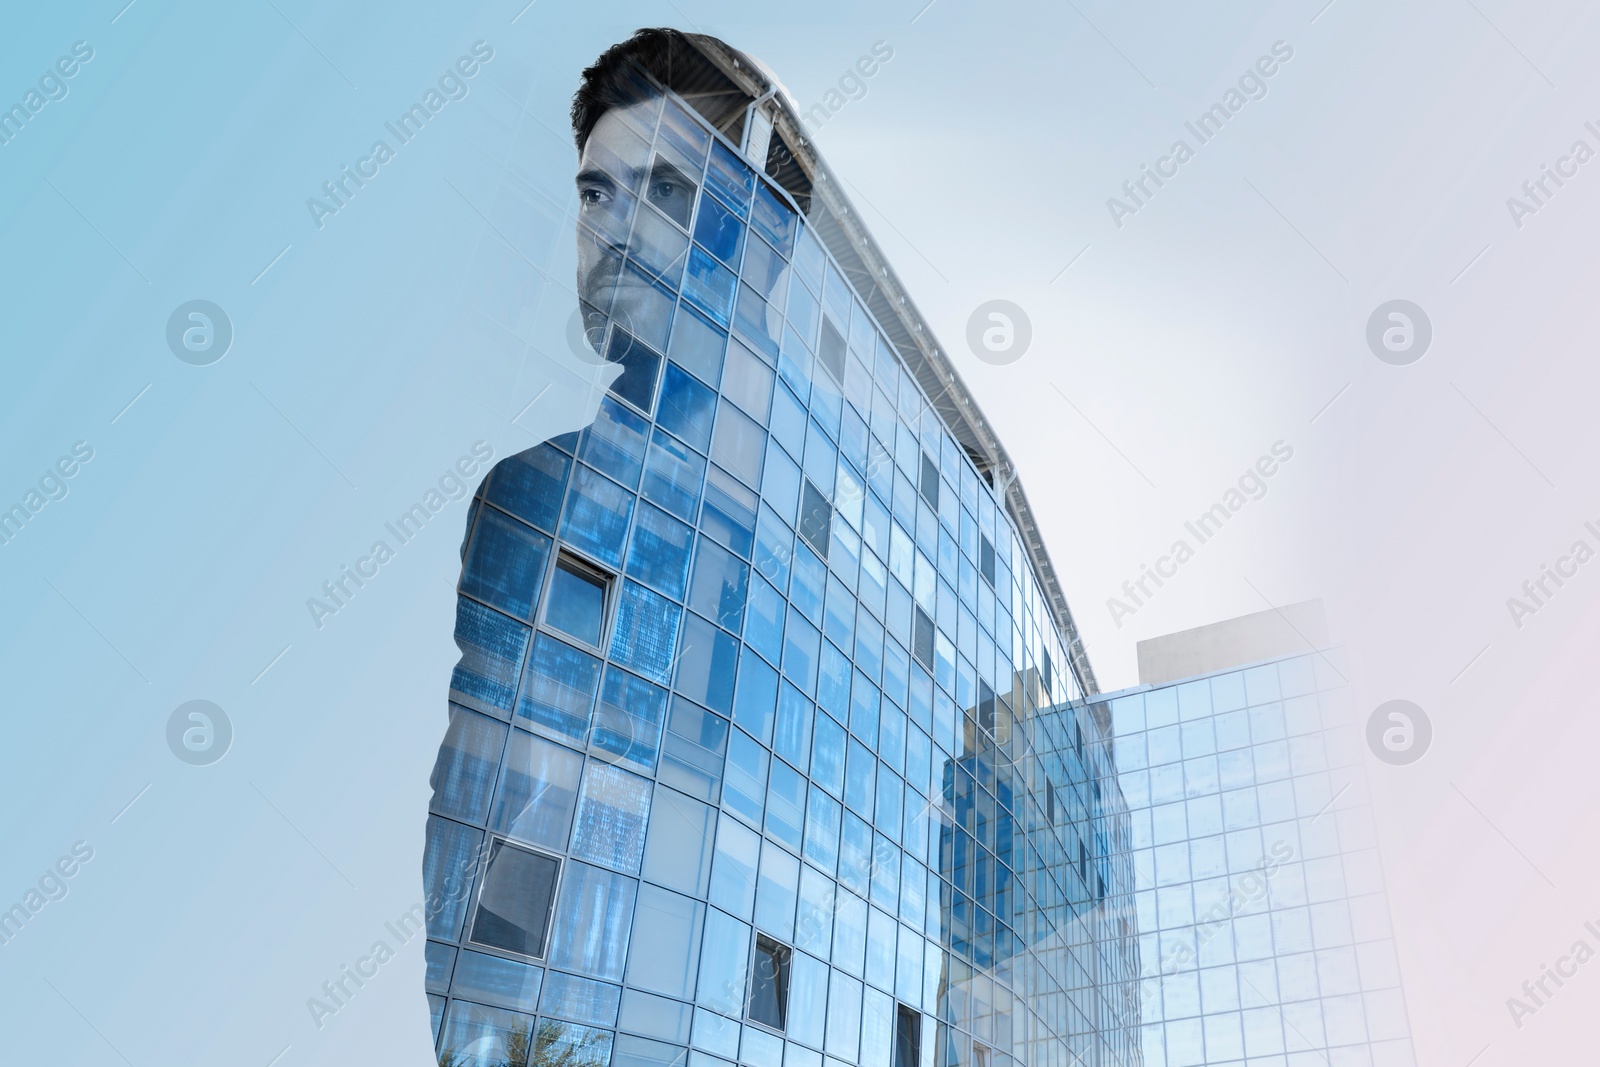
{"points": [[783, 957], [491, 839], [583, 566]]}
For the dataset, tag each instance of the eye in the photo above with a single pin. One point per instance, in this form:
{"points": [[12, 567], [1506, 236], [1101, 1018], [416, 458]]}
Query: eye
{"points": [[593, 196], [663, 189]]}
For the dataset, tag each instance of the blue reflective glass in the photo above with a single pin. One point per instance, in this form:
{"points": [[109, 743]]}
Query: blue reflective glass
{"points": [[809, 581], [672, 475], [756, 698], [687, 408], [780, 484], [744, 789], [737, 444], [627, 721], [729, 512], [833, 682], [614, 443], [469, 760], [730, 177], [505, 563], [763, 626], [449, 865], [692, 750], [597, 514], [773, 219], [788, 422], [860, 778], [646, 631], [765, 271], [864, 709], [827, 755], [855, 853], [492, 647], [719, 230], [774, 543], [698, 346], [840, 622], [589, 928], [792, 732], [758, 321], [496, 980], [706, 664], [613, 812], [786, 802], [822, 829], [710, 285], [720, 581], [800, 652], [530, 484], [658, 553], [559, 688]]}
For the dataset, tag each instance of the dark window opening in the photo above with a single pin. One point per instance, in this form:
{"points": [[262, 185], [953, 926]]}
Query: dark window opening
{"points": [[907, 1037], [769, 983], [929, 486], [577, 601], [922, 638], [816, 518], [514, 905], [640, 368], [986, 559], [1049, 683], [1050, 803], [830, 350], [1083, 863]]}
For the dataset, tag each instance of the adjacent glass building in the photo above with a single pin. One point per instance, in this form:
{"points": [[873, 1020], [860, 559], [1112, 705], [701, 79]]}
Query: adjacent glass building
{"points": [[768, 744], [1263, 923]]}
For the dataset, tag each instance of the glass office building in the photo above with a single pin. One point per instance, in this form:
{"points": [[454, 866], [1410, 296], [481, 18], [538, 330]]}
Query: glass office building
{"points": [[760, 747], [1263, 921]]}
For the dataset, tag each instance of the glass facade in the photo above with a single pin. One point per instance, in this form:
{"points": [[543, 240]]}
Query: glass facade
{"points": [[1263, 922], [760, 745]]}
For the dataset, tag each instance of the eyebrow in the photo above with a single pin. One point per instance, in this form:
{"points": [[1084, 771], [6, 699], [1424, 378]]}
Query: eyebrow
{"points": [[596, 174]]}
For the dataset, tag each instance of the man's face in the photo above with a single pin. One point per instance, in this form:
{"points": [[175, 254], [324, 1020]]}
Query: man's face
{"points": [[617, 168]]}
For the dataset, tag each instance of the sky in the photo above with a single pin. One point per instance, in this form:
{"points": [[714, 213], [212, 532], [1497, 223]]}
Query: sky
{"points": [[1176, 341]]}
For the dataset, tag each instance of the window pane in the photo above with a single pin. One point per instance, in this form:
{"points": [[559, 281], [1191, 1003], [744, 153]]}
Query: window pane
{"points": [[706, 663], [691, 756], [746, 778], [667, 929], [729, 511], [677, 851], [449, 866], [580, 1000], [687, 408], [469, 759], [822, 829], [577, 601], [497, 980], [672, 476], [777, 889], [538, 792], [790, 739], [720, 231], [597, 513], [710, 285], [492, 647], [589, 932], [612, 813], [769, 984], [786, 806], [756, 696], [559, 688], [504, 563], [697, 346], [724, 963], [733, 868], [530, 485], [659, 552], [627, 723], [615, 441], [480, 1036], [646, 632], [720, 581], [514, 905]]}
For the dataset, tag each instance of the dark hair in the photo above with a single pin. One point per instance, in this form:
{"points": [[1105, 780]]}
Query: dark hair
{"points": [[622, 75]]}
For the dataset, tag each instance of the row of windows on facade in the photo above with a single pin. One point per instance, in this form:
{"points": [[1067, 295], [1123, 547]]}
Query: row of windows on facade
{"points": [[581, 611]]}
